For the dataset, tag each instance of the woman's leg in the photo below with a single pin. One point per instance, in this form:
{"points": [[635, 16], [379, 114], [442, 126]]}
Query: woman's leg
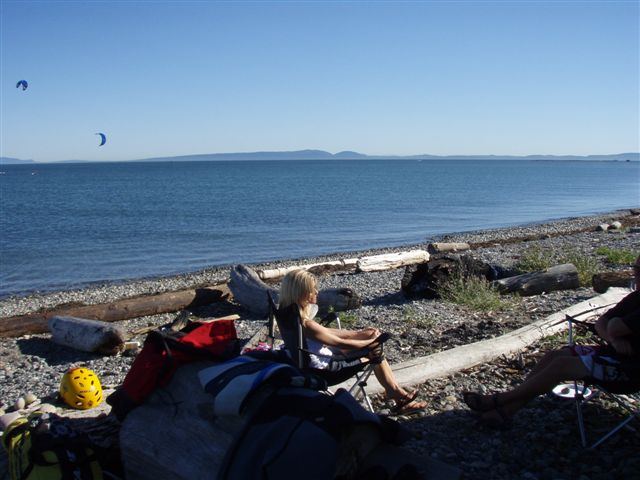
{"points": [[387, 379]]}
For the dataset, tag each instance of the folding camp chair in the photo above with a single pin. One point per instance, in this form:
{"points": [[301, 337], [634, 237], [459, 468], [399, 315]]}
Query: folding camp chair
{"points": [[627, 396], [341, 367]]}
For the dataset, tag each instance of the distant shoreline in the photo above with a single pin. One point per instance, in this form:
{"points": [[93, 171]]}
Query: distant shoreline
{"points": [[304, 155]]}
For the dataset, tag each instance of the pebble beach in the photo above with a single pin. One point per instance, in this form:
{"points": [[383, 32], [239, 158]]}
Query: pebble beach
{"points": [[543, 442]]}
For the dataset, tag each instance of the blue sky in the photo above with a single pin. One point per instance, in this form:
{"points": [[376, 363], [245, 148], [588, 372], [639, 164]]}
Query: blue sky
{"points": [[450, 77]]}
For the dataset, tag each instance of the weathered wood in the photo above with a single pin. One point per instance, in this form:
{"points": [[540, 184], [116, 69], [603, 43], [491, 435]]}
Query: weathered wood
{"points": [[560, 277], [147, 329], [390, 261], [441, 364], [87, 335], [316, 268], [602, 281], [157, 433], [251, 292], [603, 227], [615, 225], [447, 247], [425, 280], [115, 311]]}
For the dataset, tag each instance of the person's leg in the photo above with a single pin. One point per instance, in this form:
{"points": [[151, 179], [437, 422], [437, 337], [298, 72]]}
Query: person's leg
{"points": [[556, 370], [548, 357], [393, 391]]}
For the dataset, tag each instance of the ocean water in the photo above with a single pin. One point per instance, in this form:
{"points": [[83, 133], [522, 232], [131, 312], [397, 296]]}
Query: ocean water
{"points": [[67, 225]]}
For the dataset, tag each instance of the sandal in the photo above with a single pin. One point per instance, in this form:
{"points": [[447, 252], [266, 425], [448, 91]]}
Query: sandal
{"points": [[402, 406], [473, 401]]}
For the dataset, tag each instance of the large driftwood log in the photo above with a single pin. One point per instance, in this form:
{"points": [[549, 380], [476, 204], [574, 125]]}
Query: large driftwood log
{"points": [[251, 292], [348, 264], [441, 364], [425, 280], [447, 247], [560, 277], [602, 281], [87, 335], [120, 310], [157, 433], [390, 261]]}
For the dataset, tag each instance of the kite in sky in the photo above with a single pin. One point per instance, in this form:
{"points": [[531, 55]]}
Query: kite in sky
{"points": [[103, 139], [23, 84]]}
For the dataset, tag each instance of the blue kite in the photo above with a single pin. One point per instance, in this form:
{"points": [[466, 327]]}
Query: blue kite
{"points": [[103, 139], [23, 84]]}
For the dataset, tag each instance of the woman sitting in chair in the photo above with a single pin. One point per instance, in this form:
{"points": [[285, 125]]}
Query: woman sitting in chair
{"points": [[607, 366], [300, 287]]}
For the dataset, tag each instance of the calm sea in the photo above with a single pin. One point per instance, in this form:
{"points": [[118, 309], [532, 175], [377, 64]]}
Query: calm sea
{"points": [[66, 225]]}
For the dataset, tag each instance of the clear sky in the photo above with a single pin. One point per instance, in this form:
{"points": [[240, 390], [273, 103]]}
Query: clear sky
{"points": [[164, 78]]}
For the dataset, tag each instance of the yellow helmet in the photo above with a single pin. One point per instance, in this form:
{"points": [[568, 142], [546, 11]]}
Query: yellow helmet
{"points": [[81, 389]]}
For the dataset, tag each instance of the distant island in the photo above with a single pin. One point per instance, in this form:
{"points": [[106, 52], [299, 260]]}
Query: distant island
{"points": [[350, 155], [13, 161]]}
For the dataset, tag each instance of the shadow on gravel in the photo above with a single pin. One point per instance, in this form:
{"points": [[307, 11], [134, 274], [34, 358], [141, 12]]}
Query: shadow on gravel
{"points": [[542, 443], [52, 353], [394, 298]]}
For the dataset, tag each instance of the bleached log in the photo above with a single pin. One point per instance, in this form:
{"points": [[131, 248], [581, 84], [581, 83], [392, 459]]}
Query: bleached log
{"points": [[251, 292], [603, 227], [157, 433], [602, 281], [119, 310], [316, 268], [389, 261], [87, 335], [447, 247], [615, 225], [447, 362], [560, 277]]}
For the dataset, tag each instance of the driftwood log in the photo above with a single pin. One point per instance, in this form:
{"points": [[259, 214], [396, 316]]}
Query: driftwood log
{"points": [[389, 261], [447, 247], [348, 264], [251, 292], [87, 335], [120, 310], [602, 281], [560, 277], [425, 280], [181, 438]]}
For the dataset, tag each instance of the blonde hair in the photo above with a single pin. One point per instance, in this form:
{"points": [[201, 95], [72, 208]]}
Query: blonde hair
{"points": [[295, 288]]}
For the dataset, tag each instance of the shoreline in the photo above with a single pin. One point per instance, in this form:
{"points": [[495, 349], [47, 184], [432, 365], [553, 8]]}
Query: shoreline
{"points": [[105, 292]]}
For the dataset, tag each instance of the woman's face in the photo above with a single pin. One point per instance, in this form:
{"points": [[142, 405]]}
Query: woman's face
{"points": [[312, 297]]}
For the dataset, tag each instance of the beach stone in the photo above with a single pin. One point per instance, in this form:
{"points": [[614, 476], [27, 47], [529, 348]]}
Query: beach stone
{"points": [[20, 403], [29, 398], [603, 227], [615, 225], [47, 408], [8, 418], [634, 230]]}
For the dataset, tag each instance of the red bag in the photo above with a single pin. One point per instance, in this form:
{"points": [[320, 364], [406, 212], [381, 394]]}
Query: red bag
{"points": [[164, 351]]}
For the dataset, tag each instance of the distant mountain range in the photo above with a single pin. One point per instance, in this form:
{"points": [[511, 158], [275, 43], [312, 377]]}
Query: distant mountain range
{"points": [[349, 155], [14, 161]]}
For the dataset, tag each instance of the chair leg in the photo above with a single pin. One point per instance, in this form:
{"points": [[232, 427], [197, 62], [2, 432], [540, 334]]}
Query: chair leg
{"points": [[615, 430], [358, 388]]}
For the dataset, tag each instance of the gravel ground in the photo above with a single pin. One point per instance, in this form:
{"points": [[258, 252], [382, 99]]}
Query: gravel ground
{"points": [[543, 442]]}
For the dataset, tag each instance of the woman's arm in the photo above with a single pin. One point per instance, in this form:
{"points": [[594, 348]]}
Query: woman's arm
{"points": [[330, 337]]}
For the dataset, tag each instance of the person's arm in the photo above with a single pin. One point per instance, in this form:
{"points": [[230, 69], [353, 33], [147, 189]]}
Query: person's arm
{"points": [[327, 336]]}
